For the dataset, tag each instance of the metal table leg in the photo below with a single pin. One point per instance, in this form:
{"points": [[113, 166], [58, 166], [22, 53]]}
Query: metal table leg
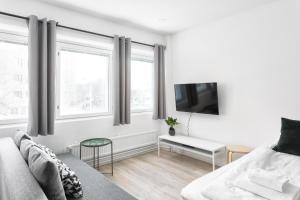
{"points": [[112, 159], [80, 151], [94, 152], [98, 158], [158, 147]]}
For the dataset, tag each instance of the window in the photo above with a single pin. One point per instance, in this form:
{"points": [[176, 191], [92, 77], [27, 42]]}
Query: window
{"points": [[142, 84], [83, 81], [13, 79]]}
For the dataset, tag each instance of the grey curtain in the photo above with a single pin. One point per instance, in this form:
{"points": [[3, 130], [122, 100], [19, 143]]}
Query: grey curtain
{"points": [[159, 83], [122, 65], [41, 64]]}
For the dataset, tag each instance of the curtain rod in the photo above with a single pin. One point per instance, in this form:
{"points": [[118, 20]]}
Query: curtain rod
{"points": [[74, 29]]}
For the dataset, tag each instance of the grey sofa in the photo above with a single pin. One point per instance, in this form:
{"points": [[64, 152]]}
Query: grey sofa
{"points": [[17, 182]]}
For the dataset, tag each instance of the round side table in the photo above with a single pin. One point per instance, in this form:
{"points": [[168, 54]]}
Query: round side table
{"points": [[97, 143], [231, 149]]}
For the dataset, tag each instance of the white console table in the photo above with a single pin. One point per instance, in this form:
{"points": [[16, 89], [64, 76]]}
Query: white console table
{"points": [[192, 144]]}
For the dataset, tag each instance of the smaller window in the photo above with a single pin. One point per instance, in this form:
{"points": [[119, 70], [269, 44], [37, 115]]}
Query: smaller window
{"points": [[83, 82], [142, 84], [13, 79]]}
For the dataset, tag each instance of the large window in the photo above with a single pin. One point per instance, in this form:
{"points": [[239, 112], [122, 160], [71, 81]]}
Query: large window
{"points": [[83, 81], [142, 84], [13, 79]]}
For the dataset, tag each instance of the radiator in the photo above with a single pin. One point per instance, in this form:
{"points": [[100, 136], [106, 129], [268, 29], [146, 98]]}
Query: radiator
{"points": [[147, 143]]}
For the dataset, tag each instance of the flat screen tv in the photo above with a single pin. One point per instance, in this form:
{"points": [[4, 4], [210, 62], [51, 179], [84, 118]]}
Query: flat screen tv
{"points": [[197, 98]]}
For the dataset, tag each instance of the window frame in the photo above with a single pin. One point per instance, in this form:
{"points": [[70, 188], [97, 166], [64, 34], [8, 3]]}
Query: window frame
{"points": [[149, 59], [88, 49], [13, 38]]}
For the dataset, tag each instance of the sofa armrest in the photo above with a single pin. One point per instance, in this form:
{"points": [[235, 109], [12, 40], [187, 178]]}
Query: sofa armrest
{"points": [[16, 180]]}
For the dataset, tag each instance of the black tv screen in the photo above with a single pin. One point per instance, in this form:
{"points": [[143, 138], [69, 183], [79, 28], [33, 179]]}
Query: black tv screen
{"points": [[197, 98]]}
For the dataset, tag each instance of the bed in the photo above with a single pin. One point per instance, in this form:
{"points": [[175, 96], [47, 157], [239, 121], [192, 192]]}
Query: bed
{"points": [[262, 157]]}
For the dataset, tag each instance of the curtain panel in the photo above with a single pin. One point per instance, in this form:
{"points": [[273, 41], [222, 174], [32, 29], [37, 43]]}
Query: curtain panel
{"points": [[41, 64], [159, 111], [122, 85]]}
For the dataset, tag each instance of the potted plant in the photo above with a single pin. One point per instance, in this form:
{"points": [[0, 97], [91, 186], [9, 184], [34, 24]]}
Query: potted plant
{"points": [[171, 122]]}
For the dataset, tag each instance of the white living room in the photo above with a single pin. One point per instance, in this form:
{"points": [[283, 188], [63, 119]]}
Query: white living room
{"points": [[150, 100]]}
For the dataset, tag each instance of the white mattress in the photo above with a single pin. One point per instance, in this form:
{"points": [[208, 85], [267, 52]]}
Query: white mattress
{"points": [[261, 157]]}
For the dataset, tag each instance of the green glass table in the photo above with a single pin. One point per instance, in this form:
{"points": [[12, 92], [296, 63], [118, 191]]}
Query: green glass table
{"points": [[96, 143]]}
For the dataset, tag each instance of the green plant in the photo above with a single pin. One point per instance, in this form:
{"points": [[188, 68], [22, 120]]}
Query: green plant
{"points": [[171, 121]]}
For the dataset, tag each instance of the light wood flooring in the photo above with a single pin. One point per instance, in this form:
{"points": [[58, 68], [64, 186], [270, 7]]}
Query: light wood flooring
{"points": [[149, 177]]}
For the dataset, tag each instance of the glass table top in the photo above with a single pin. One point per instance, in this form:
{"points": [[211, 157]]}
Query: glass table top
{"points": [[95, 142]]}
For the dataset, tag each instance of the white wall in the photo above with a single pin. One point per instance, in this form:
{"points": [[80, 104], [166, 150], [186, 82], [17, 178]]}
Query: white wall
{"points": [[71, 131], [254, 57]]}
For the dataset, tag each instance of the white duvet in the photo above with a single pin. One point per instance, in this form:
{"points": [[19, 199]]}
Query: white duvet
{"points": [[263, 157]]}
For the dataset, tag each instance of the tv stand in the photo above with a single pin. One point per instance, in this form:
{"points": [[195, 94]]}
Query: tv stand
{"points": [[192, 144]]}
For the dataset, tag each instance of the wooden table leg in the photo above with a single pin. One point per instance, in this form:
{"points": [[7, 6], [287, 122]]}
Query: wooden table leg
{"points": [[229, 156], [213, 161]]}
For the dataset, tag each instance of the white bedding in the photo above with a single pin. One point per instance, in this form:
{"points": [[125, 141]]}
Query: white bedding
{"points": [[262, 157]]}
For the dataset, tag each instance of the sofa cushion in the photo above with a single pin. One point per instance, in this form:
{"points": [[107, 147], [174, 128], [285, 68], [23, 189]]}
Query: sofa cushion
{"points": [[44, 169], [95, 185], [25, 146], [70, 181], [16, 180], [19, 136]]}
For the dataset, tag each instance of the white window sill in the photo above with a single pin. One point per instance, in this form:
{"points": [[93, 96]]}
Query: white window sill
{"points": [[141, 111], [23, 123], [13, 125], [81, 118]]}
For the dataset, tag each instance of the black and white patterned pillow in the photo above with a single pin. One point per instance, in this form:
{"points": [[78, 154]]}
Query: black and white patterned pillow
{"points": [[70, 181], [46, 150]]}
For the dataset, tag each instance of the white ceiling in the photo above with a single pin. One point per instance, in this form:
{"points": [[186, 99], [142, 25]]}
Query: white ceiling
{"points": [[163, 16]]}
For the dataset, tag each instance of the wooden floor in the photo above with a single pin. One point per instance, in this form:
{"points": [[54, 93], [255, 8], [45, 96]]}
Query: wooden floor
{"points": [[149, 177]]}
